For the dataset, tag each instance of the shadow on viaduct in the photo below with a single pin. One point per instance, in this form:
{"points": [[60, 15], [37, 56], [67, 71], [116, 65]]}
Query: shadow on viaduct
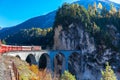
{"points": [[57, 61]]}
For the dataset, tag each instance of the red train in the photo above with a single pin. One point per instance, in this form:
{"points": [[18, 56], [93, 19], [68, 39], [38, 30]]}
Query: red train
{"points": [[7, 48]]}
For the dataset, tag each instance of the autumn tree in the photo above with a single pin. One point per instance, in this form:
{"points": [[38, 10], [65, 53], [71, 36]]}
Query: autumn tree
{"points": [[108, 74], [67, 76], [3, 42], [112, 9], [100, 6]]}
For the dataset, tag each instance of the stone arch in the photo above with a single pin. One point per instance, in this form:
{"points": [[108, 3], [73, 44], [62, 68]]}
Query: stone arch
{"points": [[74, 64], [31, 59], [44, 61], [18, 56], [59, 63], [78, 47]]}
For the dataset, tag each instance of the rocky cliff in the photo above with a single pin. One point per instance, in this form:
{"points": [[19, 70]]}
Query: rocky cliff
{"points": [[74, 38], [95, 33], [88, 64]]}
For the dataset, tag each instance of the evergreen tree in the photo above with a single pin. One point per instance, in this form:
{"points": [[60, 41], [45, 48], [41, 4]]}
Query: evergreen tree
{"points": [[108, 74], [118, 13], [95, 9], [90, 10], [104, 12]]}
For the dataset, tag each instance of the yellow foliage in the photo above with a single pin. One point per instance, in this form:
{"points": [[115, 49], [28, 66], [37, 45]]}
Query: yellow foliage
{"points": [[41, 74], [45, 75], [67, 76], [24, 70], [27, 72], [34, 68], [108, 74], [100, 6]]}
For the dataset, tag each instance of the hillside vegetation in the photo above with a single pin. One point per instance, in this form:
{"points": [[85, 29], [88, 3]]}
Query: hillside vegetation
{"points": [[34, 36], [100, 23]]}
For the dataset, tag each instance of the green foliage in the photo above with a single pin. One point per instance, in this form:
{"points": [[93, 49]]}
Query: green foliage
{"points": [[104, 12], [34, 36], [108, 74], [67, 76], [71, 13], [3, 42], [94, 21], [112, 10]]}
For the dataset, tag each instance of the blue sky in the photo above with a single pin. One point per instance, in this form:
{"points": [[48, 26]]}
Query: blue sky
{"points": [[13, 12]]}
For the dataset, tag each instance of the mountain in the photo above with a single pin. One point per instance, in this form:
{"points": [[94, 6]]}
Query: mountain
{"points": [[97, 36], [105, 3], [44, 21], [47, 20], [34, 36]]}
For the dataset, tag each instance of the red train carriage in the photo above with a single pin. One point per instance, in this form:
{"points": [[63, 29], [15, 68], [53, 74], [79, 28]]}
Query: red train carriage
{"points": [[19, 48], [7, 48], [26, 48], [3, 49], [36, 48]]}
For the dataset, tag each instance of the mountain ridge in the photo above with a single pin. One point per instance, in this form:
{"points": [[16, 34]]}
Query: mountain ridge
{"points": [[105, 3], [46, 21]]}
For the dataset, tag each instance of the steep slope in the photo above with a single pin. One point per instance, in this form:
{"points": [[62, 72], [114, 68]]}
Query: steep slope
{"points": [[47, 20], [44, 21], [96, 36], [34, 36]]}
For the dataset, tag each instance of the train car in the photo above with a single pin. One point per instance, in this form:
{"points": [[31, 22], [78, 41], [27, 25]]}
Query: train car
{"points": [[26, 48], [19, 48], [7, 48], [1, 49], [36, 48]]}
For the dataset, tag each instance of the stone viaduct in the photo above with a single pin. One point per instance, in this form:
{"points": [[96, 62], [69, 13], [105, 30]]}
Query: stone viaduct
{"points": [[55, 60]]}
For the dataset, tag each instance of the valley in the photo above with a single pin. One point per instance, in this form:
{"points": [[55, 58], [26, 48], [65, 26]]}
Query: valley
{"points": [[79, 41]]}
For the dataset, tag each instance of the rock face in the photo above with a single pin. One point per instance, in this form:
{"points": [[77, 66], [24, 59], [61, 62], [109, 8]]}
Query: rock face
{"points": [[59, 64], [88, 64], [75, 38], [114, 34]]}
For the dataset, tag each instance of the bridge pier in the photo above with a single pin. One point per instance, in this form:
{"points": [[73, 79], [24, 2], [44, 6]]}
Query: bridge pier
{"points": [[54, 59]]}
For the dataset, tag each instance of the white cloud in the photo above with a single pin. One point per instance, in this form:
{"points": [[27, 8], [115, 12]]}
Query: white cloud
{"points": [[70, 1], [117, 1]]}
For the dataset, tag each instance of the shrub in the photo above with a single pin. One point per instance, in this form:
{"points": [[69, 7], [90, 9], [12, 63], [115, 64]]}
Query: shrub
{"points": [[67, 76], [108, 74]]}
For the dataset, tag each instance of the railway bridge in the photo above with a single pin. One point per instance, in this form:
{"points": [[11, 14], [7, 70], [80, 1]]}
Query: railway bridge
{"points": [[55, 60]]}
